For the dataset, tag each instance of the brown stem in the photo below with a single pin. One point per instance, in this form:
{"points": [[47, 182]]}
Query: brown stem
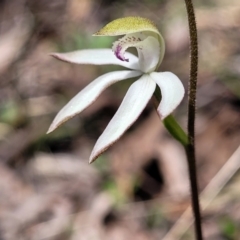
{"points": [[192, 89]]}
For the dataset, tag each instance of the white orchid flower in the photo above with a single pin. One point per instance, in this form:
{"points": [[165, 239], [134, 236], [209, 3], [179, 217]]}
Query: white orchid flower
{"points": [[142, 34]]}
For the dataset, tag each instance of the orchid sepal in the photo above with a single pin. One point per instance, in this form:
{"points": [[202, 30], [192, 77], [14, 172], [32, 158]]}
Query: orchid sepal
{"points": [[128, 112], [172, 92], [88, 95], [97, 57]]}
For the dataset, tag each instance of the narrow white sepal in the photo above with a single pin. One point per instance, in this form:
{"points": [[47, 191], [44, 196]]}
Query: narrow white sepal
{"points": [[89, 94], [172, 92], [131, 107], [98, 57]]}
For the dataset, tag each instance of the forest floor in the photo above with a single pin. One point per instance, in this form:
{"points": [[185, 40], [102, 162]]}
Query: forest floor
{"points": [[139, 188]]}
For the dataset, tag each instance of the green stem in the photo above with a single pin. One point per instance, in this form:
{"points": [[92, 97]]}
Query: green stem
{"points": [[192, 89], [175, 130], [171, 124]]}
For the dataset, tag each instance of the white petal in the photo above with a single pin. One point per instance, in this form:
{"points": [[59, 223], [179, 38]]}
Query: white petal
{"points": [[147, 46], [97, 57], [131, 107], [149, 54], [88, 95], [172, 92]]}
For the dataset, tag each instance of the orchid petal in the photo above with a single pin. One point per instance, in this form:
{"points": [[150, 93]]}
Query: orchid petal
{"points": [[129, 40], [131, 107], [147, 46], [97, 57], [148, 53], [88, 95], [172, 92], [129, 25]]}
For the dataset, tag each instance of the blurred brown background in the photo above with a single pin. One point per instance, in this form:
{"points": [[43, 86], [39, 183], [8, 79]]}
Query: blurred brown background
{"points": [[139, 188]]}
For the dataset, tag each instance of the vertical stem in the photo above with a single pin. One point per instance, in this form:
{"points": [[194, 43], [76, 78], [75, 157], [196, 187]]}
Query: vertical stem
{"points": [[192, 88]]}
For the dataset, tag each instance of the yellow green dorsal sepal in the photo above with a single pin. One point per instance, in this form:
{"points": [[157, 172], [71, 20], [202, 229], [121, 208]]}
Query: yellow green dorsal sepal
{"points": [[130, 25], [127, 25]]}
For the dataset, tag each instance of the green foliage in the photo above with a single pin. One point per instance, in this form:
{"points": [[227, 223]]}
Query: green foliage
{"points": [[232, 82], [111, 187], [229, 228], [102, 164], [155, 217], [12, 113], [109, 184], [79, 40]]}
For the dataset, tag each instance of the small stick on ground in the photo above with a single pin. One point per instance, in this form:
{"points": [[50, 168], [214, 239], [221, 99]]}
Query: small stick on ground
{"points": [[207, 195]]}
